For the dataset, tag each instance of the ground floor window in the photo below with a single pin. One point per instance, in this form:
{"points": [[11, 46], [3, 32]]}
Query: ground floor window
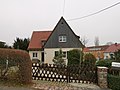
{"points": [[64, 54], [35, 54]]}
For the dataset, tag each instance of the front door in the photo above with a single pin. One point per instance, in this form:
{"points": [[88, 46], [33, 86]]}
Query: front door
{"points": [[42, 57]]}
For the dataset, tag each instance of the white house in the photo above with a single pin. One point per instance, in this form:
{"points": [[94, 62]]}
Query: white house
{"points": [[44, 44]]}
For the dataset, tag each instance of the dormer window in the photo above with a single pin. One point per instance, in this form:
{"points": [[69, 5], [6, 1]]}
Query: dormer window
{"points": [[62, 38], [43, 42]]}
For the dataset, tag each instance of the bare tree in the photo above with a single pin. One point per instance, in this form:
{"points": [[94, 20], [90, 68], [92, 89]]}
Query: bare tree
{"points": [[96, 41], [84, 40]]}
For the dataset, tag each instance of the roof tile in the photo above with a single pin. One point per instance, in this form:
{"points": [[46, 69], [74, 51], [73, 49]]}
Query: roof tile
{"points": [[37, 38], [113, 48]]}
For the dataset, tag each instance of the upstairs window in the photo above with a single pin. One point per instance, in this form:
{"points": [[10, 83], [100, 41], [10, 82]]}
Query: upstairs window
{"points": [[43, 42], [62, 38]]}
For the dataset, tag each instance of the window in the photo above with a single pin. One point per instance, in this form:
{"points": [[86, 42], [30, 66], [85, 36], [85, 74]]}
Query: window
{"points": [[62, 39], [64, 54], [56, 53], [34, 55], [43, 42]]}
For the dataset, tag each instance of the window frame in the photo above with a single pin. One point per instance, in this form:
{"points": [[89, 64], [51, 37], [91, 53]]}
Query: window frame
{"points": [[62, 38], [34, 54], [56, 53], [64, 54]]}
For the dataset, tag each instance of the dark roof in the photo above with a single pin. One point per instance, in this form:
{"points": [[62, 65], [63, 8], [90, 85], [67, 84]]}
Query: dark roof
{"points": [[51, 37], [62, 28], [37, 38]]}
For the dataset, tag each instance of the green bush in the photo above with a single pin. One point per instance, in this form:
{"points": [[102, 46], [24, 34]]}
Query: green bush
{"points": [[117, 55], [114, 82], [74, 57], [16, 58], [105, 63], [58, 59], [89, 59]]}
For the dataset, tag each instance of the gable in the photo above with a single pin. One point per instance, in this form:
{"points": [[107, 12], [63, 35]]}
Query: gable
{"points": [[63, 29]]}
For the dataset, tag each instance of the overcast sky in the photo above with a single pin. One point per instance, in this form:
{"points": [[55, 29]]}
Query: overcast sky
{"points": [[19, 18]]}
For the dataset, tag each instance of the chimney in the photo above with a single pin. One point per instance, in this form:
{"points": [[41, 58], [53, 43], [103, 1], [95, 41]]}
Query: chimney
{"points": [[115, 44]]}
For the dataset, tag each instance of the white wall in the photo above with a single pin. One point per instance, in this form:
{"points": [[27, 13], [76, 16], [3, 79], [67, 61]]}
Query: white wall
{"points": [[107, 55], [50, 53]]}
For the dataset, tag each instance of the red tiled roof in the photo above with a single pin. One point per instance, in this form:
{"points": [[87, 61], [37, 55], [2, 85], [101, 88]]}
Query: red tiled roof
{"points": [[86, 49], [37, 38], [113, 48], [97, 48]]}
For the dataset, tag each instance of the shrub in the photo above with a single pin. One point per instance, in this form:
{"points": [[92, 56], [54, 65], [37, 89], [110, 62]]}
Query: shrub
{"points": [[117, 55], [17, 58], [105, 63], [89, 59], [114, 82], [59, 58], [74, 57]]}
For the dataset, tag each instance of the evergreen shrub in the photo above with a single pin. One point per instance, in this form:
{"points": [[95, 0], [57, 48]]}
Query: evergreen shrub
{"points": [[104, 63], [114, 82]]}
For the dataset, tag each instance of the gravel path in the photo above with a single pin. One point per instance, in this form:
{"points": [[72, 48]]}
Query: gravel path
{"points": [[71, 86], [14, 88], [46, 85]]}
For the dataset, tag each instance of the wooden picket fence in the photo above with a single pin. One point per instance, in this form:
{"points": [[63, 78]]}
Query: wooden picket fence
{"points": [[61, 73]]}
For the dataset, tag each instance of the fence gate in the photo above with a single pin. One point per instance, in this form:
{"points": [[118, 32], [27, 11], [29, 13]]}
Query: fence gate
{"points": [[73, 73]]}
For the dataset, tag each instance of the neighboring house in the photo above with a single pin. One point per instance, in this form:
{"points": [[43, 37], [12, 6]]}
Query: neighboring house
{"points": [[97, 51], [44, 45], [109, 52]]}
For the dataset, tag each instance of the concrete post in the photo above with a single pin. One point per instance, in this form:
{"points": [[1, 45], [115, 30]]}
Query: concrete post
{"points": [[102, 77]]}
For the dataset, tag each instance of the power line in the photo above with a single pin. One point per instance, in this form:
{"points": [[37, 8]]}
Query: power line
{"points": [[95, 12], [63, 7]]}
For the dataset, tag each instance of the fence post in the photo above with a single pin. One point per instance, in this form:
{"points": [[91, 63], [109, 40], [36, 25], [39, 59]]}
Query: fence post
{"points": [[102, 76], [68, 74]]}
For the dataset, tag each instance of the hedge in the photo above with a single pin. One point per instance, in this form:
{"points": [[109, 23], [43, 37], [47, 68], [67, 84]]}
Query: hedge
{"points": [[114, 82], [74, 57], [89, 59], [105, 63], [20, 59]]}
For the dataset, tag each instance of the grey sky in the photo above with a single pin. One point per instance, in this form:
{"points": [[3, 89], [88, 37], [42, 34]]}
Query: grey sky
{"points": [[18, 18]]}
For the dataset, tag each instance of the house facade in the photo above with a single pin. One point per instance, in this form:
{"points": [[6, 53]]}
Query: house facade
{"points": [[44, 44], [109, 52], [97, 51], [103, 52]]}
